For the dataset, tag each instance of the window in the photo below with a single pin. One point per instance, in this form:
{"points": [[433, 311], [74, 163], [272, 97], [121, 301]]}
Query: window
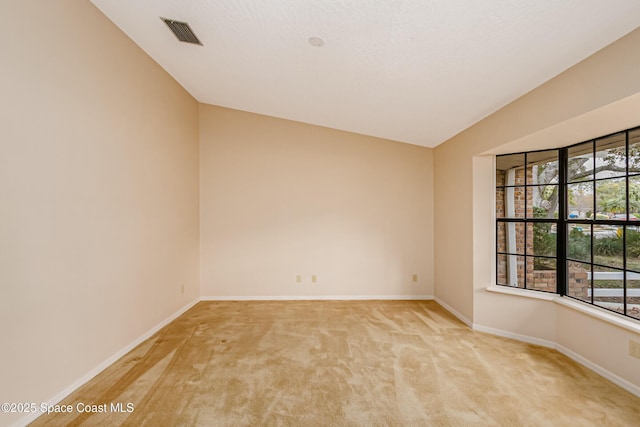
{"points": [[568, 221], [527, 195]]}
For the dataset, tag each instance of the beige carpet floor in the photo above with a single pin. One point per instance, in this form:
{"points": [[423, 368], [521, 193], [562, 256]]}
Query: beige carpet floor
{"points": [[339, 363]]}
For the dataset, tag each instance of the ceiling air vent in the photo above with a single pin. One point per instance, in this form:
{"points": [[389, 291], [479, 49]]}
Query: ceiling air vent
{"points": [[182, 31]]}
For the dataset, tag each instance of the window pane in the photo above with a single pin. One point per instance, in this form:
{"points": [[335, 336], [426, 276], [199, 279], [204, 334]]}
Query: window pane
{"points": [[607, 245], [510, 237], [580, 200], [580, 162], [500, 213], [633, 248], [541, 274], [510, 169], [634, 198], [608, 288], [517, 280], [579, 242], [510, 270], [543, 167], [514, 202], [634, 151], [611, 199], [578, 283], [501, 270], [541, 238], [633, 295], [501, 237], [542, 201], [510, 201], [611, 156]]}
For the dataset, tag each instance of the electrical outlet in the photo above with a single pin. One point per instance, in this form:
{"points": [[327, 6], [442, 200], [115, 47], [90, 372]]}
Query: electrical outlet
{"points": [[414, 277], [182, 288], [634, 349], [314, 278], [298, 278]]}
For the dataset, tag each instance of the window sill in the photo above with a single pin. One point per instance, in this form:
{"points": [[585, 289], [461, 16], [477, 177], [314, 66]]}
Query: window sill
{"points": [[522, 292], [601, 314]]}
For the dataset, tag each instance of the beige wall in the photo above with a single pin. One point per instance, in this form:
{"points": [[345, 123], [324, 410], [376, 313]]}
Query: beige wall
{"points": [[577, 332], [596, 97], [98, 195], [281, 198]]}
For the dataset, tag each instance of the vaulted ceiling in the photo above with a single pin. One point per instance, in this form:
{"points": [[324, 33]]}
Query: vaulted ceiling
{"points": [[416, 71]]}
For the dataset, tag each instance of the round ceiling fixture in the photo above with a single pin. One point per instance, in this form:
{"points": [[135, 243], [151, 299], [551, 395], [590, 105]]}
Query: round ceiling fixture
{"points": [[316, 41]]}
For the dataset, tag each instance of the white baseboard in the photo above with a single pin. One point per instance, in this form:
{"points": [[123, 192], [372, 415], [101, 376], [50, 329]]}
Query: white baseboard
{"points": [[110, 361], [631, 388], [621, 382], [518, 337], [455, 312], [316, 297]]}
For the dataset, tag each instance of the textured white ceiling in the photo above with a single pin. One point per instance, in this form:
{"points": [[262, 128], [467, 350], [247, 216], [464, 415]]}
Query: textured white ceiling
{"points": [[416, 71]]}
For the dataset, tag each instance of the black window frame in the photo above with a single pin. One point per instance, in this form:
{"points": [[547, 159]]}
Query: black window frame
{"points": [[563, 223], [528, 220]]}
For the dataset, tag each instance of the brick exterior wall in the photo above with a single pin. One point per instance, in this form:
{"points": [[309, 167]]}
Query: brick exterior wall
{"points": [[578, 281], [542, 280], [500, 193]]}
